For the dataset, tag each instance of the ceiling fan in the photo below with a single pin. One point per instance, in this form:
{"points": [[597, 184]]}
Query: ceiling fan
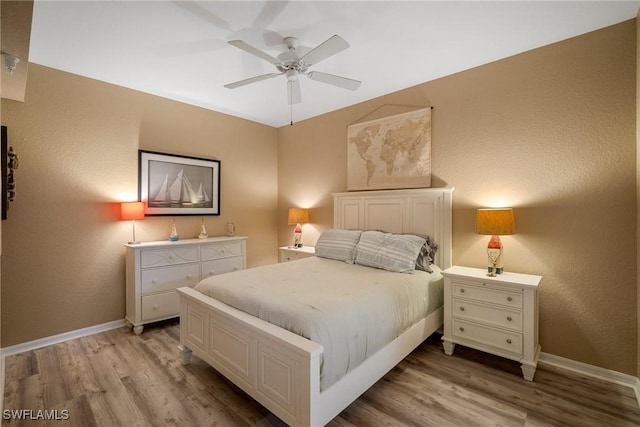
{"points": [[291, 64]]}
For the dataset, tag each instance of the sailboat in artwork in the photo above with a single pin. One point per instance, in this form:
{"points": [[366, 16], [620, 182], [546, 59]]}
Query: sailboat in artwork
{"points": [[202, 195], [180, 193]]}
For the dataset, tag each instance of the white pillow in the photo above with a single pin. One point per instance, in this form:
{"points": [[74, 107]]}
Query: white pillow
{"points": [[338, 244], [392, 252]]}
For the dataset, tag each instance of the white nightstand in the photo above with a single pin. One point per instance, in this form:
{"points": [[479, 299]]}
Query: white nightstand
{"points": [[289, 253], [498, 315]]}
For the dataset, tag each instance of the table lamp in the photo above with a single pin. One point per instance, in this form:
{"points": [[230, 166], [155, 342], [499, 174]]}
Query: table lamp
{"points": [[132, 211], [495, 223], [298, 216]]}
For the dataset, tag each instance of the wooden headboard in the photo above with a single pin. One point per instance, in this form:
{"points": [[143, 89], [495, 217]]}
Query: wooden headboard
{"points": [[425, 211]]}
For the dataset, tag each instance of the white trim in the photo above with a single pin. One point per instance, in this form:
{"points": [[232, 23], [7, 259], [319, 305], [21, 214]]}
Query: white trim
{"points": [[592, 371], [55, 339]]}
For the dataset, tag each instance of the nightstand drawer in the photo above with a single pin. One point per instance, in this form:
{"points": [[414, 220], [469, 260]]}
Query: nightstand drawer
{"points": [[485, 293], [219, 266], [485, 336], [160, 305], [169, 256], [217, 251], [468, 310], [291, 254], [167, 278]]}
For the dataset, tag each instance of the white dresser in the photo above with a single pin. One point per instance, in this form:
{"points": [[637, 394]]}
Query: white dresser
{"points": [[498, 315], [289, 253], [155, 269]]}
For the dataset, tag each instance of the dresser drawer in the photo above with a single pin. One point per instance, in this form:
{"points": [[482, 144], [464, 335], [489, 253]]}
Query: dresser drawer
{"points": [[480, 292], [219, 266], [162, 305], [221, 250], [167, 278], [485, 336], [169, 256], [511, 319]]}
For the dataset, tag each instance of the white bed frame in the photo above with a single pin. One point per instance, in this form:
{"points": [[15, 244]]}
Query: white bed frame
{"points": [[280, 369]]}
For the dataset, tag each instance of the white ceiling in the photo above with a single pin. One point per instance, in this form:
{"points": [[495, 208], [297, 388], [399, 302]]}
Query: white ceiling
{"points": [[179, 50]]}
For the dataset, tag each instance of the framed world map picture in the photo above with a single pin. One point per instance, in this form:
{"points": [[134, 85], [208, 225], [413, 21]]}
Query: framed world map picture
{"points": [[391, 152]]}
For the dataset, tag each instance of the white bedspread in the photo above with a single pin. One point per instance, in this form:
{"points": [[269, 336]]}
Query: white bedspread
{"points": [[351, 310]]}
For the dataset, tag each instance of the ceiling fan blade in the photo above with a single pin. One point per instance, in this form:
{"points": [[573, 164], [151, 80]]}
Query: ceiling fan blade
{"points": [[332, 79], [329, 48], [251, 80], [252, 50], [293, 92]]}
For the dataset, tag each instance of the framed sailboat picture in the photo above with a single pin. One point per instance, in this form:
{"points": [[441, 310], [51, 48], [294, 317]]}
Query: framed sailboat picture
{"points": [[178, 185]]}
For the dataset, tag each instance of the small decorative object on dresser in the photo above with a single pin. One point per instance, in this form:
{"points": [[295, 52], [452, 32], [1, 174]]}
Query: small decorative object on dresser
{"points": [[495, 223], [498, 315], [173, 236], [291, 253], [156, 269], [203, 231]]}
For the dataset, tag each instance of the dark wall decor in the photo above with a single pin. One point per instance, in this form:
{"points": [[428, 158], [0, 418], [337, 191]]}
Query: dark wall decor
{"points": [[178, 185], [5, 173], [9, 164]]}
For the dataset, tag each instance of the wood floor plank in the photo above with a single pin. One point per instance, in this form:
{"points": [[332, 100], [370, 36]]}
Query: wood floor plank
{"points": [[117, 378]]}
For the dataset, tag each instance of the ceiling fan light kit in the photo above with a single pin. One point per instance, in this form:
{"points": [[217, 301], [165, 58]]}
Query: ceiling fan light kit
{"points": [[291, 64]]}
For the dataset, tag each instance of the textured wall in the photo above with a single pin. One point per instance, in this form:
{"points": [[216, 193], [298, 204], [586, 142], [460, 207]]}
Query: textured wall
{"points": [[550, 132], [638, 181], [63, 259]]}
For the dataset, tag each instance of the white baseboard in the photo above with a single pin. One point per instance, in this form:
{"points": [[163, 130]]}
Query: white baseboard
{"points": [[592, 371], [55, 339]]}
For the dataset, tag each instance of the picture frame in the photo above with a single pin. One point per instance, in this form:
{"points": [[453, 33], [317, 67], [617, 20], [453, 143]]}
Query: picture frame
{"points": [[170, 184]]}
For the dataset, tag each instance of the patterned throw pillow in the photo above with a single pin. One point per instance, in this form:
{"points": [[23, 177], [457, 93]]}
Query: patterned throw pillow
{"points": [[392, 252], [338, 244], [427, 255]]}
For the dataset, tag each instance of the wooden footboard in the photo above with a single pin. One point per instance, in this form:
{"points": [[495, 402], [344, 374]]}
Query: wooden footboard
{"points": [[278, 368]]}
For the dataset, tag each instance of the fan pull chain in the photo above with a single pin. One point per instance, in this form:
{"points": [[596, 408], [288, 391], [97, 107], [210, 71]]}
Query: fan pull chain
{"points": [[290, 83]]}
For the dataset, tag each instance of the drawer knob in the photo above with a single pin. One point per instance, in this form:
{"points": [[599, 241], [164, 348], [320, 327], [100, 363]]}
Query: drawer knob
{"points": [[188, 276], [509, 298], [508, 340], [235, 268], [154, 281], [462, 291], [509, 318], [211, 273], [155, 306], [461, 308], [461, 329]]}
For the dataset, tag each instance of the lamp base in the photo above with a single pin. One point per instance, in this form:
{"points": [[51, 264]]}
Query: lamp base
{"points": [[133, 243], [493, 271], [494, 253]]}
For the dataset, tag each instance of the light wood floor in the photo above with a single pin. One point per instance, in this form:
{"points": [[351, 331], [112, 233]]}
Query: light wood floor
{"points": [[117, 378]]}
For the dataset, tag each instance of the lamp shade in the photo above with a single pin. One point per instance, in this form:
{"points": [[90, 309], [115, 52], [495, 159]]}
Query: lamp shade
{"points": [[132, 210], [495, 222], [298, 216]]}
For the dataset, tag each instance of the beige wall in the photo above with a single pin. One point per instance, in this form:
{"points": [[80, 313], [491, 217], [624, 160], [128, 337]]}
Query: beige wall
{"points": [[550, 132], [77, 140], [638, 185]]}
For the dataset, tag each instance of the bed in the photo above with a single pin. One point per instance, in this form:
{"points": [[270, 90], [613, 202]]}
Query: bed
{"points": [[282, 370]]}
